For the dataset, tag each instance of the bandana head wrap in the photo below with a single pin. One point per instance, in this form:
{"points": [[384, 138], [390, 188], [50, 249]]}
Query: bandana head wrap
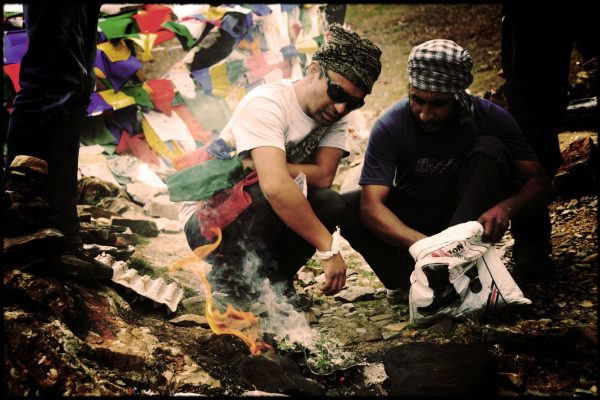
{"points": [[443, 66], [348, 54]]}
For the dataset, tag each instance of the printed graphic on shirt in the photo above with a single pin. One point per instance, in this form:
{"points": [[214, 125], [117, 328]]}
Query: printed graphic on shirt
{"points": [[298, 152], [434, 166]]}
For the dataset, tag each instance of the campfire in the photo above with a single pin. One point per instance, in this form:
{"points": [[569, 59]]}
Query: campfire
{"points": [[322, 356], [242, 324]]}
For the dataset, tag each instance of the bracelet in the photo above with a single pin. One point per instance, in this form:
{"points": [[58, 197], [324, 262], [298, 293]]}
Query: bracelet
{"points": [[335, 246]]}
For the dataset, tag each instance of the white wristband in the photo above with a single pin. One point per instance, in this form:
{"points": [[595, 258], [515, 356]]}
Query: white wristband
{"points": [[335, 246]]}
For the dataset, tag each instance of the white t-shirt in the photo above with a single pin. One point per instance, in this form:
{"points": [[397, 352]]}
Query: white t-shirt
{"points": [[270, 115]]}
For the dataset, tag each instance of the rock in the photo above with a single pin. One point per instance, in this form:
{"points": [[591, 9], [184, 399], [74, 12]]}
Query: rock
{"points": [[511, 380], [260, 393], [277, 375], [195, 304], [23, 249], [92, 190], [122, 253], [143, 227], [386, 335], [355, 293], [167, 225], [306, 278], [371, 334], [374, 374], [311, 317], [161, 206], [430, 369], [397, 327], [44, 294], [190, 320], [92, 233], [381, 317], [577, 175], [95, 212]]}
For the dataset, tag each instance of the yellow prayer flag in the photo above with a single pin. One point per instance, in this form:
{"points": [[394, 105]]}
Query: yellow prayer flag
{"points": [[215, 13], [146, 42], [99, 73], [171, 150], [116, 100], [219, 76], [115, 52]]}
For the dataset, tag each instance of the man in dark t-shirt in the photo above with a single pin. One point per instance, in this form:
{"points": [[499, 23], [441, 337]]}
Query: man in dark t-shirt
{"points": [[436, 159]]}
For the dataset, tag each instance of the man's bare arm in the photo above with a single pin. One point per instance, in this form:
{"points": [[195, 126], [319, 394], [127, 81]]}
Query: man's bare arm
{"points": [[535, 193], [293, 208], [382, 221]]}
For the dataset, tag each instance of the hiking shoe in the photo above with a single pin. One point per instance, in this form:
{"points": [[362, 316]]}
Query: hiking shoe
{"points": [[397, 296]]}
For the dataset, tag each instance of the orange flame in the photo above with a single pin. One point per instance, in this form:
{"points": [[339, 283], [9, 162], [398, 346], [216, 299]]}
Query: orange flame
{"points": [[242, 324]]}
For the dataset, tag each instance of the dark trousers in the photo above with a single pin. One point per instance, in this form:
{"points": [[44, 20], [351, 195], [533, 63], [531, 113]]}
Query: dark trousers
{"points": [[536, 54], [259, 240], [56, 79], [484, 180]]}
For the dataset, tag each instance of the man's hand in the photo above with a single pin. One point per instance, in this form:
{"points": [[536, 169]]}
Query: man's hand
{"points": [[495, 223], [335, 274]]}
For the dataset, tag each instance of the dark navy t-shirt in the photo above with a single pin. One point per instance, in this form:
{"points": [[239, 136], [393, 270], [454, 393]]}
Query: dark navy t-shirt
{"points": [[422, 167]]}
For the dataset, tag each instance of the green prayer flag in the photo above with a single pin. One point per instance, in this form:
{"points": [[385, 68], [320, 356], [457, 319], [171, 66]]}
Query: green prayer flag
{"points": [[94, 131], [182, 31], [319, 39], [213, 113], [178, 99], [201, 181], [118, 26], [234, 68], [141, 97]]}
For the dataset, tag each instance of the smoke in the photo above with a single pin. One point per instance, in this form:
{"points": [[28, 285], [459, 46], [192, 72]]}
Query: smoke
{"points": [[281, 320]]}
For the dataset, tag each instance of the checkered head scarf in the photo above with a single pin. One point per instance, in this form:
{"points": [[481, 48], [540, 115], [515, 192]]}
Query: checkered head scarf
{"points": [[443, 66], [348, 54]]}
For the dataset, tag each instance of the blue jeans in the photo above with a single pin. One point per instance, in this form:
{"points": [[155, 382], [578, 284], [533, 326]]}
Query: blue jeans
{"points": [[56, 79]]}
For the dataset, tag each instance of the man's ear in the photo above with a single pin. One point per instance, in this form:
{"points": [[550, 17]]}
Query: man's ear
{"points": [[313, 68]]}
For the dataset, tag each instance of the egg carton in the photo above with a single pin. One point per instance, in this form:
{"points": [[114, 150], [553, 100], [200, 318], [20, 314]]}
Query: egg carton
{"points": [[154, 289]]}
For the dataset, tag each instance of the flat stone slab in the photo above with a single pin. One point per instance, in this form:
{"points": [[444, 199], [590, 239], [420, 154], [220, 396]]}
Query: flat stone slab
{"points": [[450, 369]]}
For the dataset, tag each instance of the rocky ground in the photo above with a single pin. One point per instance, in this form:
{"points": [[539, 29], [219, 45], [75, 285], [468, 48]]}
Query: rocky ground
{"points": [[64, 337], [68, 338]]}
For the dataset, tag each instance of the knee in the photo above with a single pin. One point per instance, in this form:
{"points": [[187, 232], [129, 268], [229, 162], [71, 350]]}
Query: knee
{"points": [[327, 204], [490, 146], [351, 217]]}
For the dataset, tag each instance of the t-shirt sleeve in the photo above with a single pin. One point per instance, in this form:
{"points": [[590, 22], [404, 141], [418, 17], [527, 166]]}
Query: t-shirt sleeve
{"points": [[380, 163], [260, 122], [337, 137]]}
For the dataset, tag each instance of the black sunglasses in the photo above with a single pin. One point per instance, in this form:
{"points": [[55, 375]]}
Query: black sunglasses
{"points": [[339, 95]]}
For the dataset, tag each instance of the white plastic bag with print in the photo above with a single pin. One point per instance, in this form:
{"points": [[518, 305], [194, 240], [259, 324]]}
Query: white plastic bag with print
{"points": [[456, 274]]}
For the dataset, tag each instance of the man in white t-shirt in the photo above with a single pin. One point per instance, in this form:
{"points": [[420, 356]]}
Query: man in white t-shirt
{"points": [[281, 130]]}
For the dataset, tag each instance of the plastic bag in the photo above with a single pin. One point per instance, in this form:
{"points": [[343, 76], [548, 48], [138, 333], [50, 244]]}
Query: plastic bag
{"points": [[457, 274]]}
